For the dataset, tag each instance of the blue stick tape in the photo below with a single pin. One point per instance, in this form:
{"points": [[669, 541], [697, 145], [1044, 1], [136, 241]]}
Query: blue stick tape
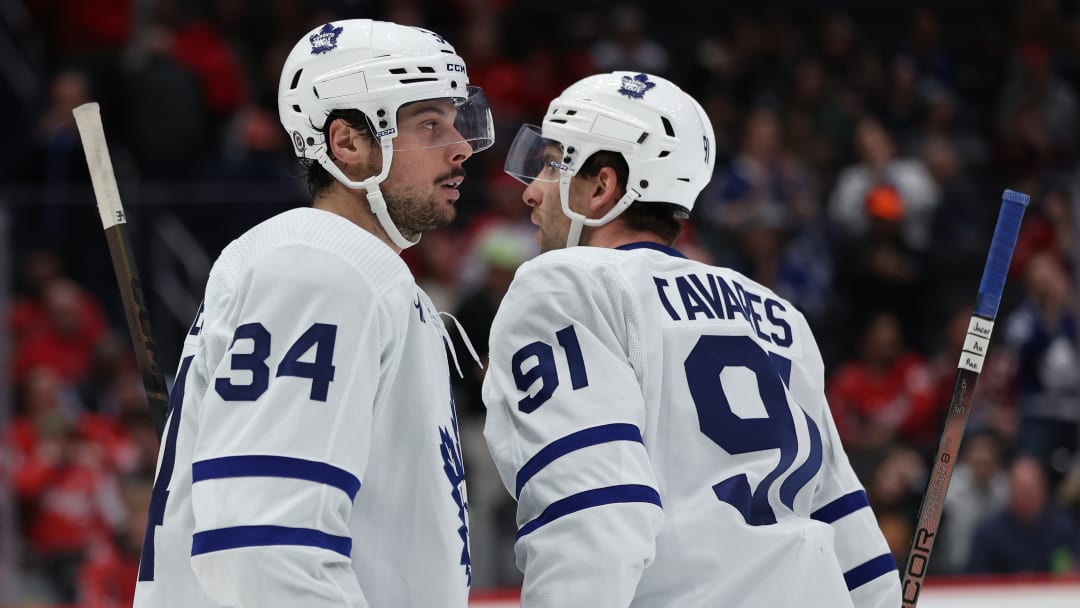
{"points": [[1001, 250]]}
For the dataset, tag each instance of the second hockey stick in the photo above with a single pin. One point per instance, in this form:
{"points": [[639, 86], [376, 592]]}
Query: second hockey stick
{"points": [[92, 133], [967, 376]]}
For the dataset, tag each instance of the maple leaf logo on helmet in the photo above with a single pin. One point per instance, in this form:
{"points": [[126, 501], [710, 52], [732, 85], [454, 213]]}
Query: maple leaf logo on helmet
{"points": [[325, 40], [636, 87]]}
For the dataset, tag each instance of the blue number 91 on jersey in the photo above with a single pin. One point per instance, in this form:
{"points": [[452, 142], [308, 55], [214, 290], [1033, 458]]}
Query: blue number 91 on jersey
{"points": [[737, 435], [543, 368], [535, 371]]}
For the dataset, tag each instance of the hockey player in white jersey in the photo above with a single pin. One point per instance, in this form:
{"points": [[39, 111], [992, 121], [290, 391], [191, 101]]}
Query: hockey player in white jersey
{"points": [[311, 455], [662, 423]]}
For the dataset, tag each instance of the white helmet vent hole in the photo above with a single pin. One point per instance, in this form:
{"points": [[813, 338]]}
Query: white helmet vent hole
{"points": [[667, 126], [398, 70], [415, 80], [296, 109], [571, 112], [643, 137], [683, 179], [560, 121], [664, 153], [426, 69], [295, 79]]}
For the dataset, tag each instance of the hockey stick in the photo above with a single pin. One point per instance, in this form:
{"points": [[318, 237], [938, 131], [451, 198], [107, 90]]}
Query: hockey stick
{"points": [[967, 376], [88, 120]]}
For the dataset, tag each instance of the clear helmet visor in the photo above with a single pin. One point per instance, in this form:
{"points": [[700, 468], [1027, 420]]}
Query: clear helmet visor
{"points": [[533, 158], [433, 123]]}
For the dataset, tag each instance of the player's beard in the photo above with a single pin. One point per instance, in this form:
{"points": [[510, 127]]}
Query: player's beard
{"points": [[415, 210]]}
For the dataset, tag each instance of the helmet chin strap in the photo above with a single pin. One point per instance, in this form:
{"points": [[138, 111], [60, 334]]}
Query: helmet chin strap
{"points": [[579, 221], [375, 199], [378, 207]]}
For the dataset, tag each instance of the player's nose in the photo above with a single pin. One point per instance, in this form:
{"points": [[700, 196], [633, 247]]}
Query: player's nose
{"points": [[460, 151], [532, 195]]}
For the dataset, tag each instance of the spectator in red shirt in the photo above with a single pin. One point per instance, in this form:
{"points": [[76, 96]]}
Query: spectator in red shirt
{"points": [[884, 395], [200, 47], [29, 314], [66, 492], [73, 324]]}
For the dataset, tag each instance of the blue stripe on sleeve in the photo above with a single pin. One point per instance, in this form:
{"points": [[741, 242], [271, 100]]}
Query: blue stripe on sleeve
{"points": [[868, 571], [276, 466], [592, 498], [264, 536], [845, 505], [572, 442]]}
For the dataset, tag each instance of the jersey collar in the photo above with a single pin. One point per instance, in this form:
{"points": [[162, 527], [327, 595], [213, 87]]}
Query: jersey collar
{"points": [[654, 246]]}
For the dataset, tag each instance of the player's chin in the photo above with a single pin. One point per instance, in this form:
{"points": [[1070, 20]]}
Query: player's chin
{"points": [[442, 215], [447, 213]]}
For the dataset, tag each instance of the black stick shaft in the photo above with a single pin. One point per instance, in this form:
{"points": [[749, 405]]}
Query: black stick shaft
{"points": [[138, 321]]}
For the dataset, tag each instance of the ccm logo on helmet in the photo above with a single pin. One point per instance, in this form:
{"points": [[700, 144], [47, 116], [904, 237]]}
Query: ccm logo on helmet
{"points": [[455, 67]]}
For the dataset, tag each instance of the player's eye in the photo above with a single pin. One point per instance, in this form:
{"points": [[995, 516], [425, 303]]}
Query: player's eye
{"points": [[552, 167]]}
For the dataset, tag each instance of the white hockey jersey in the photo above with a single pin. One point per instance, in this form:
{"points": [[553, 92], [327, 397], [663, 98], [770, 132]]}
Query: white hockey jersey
{"points": [[663, 426], [311, 455]]}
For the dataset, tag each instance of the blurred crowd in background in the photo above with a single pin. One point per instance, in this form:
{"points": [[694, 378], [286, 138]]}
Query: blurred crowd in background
{"points": [[863, 150]]}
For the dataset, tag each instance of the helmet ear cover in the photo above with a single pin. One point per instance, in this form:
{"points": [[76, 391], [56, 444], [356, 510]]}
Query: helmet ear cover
{"points": [[317, 177]]}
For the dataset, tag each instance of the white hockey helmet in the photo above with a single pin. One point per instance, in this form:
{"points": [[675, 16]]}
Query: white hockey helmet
{"points": [[662, 132], [375, 67]]}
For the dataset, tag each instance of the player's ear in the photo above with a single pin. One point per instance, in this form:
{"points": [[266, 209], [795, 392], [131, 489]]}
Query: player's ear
{"points": [[347, 144], [605, 192]]}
